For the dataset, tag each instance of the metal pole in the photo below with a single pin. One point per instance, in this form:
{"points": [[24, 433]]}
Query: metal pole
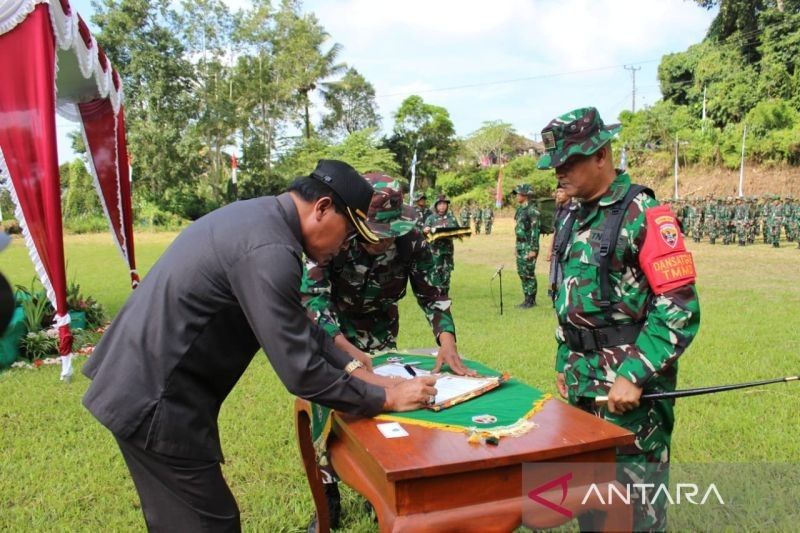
{"points": [[741, 166], [501, 291], [703, 123], [413, 176]]}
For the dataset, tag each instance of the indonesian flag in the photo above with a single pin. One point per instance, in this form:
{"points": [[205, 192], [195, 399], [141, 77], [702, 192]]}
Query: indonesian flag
{"points": [[498, 195], [234, 167]]}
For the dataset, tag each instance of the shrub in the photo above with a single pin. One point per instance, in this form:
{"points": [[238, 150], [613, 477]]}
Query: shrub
{"points": [[39, 345], [11, 227], [95, 313], [35, 305], [86, 224]]}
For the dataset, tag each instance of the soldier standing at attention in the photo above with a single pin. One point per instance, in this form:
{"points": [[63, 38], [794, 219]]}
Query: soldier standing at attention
{"points": [[697, 227], [527, 232], [741, 217], [464, 216], [355, 298], [624, 319], [442, 249], [788, 218], [488, 219], [421, 209], [477, 216], [775, 221]]}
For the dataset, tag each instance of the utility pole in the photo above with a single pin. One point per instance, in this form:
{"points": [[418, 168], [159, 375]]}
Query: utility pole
{"points": [[704, 109], [741, 165], [633, 77]]}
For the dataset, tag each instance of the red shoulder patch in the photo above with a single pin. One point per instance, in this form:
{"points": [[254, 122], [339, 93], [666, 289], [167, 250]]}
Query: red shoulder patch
{"points": [[663, 257]]}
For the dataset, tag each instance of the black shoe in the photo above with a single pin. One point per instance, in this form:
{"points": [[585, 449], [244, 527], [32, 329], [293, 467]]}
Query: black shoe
{"points": [[529, 302], [334, 500]]}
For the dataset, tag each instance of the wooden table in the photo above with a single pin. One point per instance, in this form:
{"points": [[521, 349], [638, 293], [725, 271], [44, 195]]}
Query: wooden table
{"points": [[435, 480]]}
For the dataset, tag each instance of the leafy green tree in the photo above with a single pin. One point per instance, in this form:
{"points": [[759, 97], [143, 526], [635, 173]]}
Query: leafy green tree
{"points": [[352, 105], [360, 149], [426, 129], [492, 138], [140, 38], [298, 41], [81, 198]]}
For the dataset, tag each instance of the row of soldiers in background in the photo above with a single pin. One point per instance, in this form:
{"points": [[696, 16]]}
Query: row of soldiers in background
{"points": [[740, 219], [477, 215]]}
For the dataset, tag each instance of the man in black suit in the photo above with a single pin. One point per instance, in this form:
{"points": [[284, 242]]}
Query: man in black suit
{"points": [[228, 285]]}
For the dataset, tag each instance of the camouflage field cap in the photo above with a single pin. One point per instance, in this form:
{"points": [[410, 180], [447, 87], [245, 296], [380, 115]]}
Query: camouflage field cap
{"points": [[441, 198], [580, 131], [523, 189], [388, 217], [419, 196]]}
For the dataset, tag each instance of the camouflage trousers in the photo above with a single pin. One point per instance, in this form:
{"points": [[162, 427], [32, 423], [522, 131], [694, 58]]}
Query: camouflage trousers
{"points": [[477, 227], [712, 229], [774, 234], [526, 268], [788, 229], [741, 232], [440, 274], [644, 462], [697, 230], [489, 227]]}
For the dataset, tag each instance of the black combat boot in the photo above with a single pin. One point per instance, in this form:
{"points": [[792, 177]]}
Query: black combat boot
{"points": [[334, 500], [529, 302]]}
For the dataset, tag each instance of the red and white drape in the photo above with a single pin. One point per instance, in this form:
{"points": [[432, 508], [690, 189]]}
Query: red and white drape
{"points": [[50, 62]]}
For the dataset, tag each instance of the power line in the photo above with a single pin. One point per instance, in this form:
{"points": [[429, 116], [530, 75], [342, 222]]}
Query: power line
{"points": [[516, 80]]}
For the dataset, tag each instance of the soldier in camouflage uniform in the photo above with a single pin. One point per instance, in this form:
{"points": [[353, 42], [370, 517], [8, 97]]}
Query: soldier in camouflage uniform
{"points": [[421, 210], [688, 217], [752, 224], [775, 221], [465, 216], [488, 219], [788, 218], [354, 298], [632, 344], [710, 213], [763, 210], [726, 217], [741, 220], [442, 249], [697, 224], [477, 217], [527, 230]]}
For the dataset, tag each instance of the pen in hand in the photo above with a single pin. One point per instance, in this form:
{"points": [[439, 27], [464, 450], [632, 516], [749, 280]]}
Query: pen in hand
{"points": [[410, 370]]}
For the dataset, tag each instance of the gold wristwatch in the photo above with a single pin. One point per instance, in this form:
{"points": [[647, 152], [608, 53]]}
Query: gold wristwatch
{"points": [[353, 365]]}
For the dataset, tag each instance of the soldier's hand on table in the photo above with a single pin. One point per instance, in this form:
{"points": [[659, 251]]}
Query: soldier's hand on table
{"points": [[411, 394], [561, 385], [623, 396], [448, 355], [349, 348]]}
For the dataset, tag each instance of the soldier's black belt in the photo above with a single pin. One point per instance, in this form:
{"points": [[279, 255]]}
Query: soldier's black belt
{"points": [[587, 340]]}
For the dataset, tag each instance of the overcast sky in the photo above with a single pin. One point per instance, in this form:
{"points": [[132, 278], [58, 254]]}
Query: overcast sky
{"points": [[519, 61]]}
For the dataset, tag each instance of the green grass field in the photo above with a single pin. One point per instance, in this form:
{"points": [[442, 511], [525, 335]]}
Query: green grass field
{"points": [[60, 470]]}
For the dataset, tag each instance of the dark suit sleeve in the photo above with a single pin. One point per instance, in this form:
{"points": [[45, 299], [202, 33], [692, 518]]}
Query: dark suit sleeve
{"points": [[266, 282]]}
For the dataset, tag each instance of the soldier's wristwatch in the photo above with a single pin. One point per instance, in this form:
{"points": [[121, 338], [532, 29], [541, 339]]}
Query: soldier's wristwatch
{"points": [[353, 365]]}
